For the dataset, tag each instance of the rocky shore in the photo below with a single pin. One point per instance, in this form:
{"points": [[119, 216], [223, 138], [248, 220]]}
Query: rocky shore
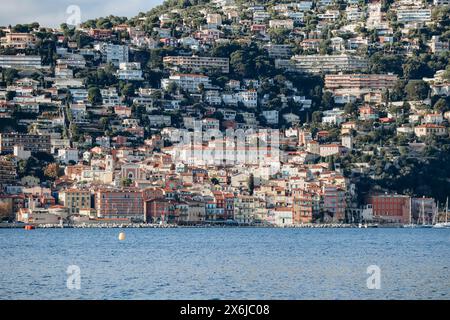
{"points": [[165, 226]]}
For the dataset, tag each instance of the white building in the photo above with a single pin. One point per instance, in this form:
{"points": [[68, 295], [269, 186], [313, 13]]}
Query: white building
{"points": [[21, 153], [438, 46], [116, 54], [130, 71], [249, 98], [72, 60], [271, 116], [353, 14], [20, 62], [67, 155], [159, 121], [413, 15], [441, 2], [188, 82], [110, 97], [323, 63], [282, 24], [335, 116]]}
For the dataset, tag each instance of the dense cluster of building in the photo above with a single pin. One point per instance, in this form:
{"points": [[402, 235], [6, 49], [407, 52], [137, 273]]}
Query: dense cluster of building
{"points": [[189, 149]]}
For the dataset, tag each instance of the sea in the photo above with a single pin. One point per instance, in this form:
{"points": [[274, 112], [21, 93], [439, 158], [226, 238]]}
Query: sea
{"points": [[225, 263]]}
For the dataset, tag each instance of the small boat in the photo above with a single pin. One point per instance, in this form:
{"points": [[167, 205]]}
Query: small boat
{"points": [[425, 226], [30, 227], [442, 225], [361, 226], [446, 224]]}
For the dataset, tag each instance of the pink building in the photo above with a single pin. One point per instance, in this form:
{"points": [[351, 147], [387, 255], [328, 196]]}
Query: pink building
{"points": [[119, 204]]}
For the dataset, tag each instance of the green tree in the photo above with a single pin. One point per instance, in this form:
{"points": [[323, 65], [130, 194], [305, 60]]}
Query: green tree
{"points": [[441, 106], [251, 184], [417, 90], [350, 108], [316, 117], [126, 182], [94, 95]]}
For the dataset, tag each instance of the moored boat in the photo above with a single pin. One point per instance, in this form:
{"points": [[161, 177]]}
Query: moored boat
{"points": [[445, 224]]}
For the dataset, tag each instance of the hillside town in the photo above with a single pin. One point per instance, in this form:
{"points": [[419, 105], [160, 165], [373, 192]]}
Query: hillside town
{"points": [[230, 112]]}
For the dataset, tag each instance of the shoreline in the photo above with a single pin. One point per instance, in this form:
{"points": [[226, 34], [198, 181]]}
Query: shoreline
{"points": [[170, 226]]}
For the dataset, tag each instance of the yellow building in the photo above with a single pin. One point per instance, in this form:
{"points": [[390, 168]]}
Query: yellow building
{"points": [[76, 200]]}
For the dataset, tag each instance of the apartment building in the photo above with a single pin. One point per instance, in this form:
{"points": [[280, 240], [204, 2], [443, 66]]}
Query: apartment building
{"points": [[160, 210], [297, 17], [305, 206], [159, 120], [334, 202], [272, 116], [249, 98], [72, 60], [188, 82], [341, 83], [120, 204], [279, 51], [75, 200], [413, 15], [323, 63], [245, 208], [438, 46], [18, 40], [196, 63], [110, 97], [391, 208], [62, 71], [116, 54], [260, 16], [130, 71], [30, 142], [20, 62]]}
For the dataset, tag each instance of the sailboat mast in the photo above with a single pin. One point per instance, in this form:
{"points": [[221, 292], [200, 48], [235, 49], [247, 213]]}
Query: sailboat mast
{"points": [[435, 213], [423, 212], [410, 210], [446, 211]]}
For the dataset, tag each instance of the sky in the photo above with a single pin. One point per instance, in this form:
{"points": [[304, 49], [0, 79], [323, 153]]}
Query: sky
{"points": [[51, 13]]}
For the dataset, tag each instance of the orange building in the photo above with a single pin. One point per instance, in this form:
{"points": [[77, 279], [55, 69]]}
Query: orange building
{"points": [[305, 205], [121, 203], [392, 208]]}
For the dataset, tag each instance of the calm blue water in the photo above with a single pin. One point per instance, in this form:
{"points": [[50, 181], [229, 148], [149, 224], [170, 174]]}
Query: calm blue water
{"points": [[225, 263]]}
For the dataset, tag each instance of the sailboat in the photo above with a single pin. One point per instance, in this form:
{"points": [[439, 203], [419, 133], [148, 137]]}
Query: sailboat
{"points": [[424, 225], [445, 224], [411, 224]]}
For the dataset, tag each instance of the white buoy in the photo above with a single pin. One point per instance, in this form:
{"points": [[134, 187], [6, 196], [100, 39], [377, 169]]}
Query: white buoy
{"points": [[122, 236]]}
